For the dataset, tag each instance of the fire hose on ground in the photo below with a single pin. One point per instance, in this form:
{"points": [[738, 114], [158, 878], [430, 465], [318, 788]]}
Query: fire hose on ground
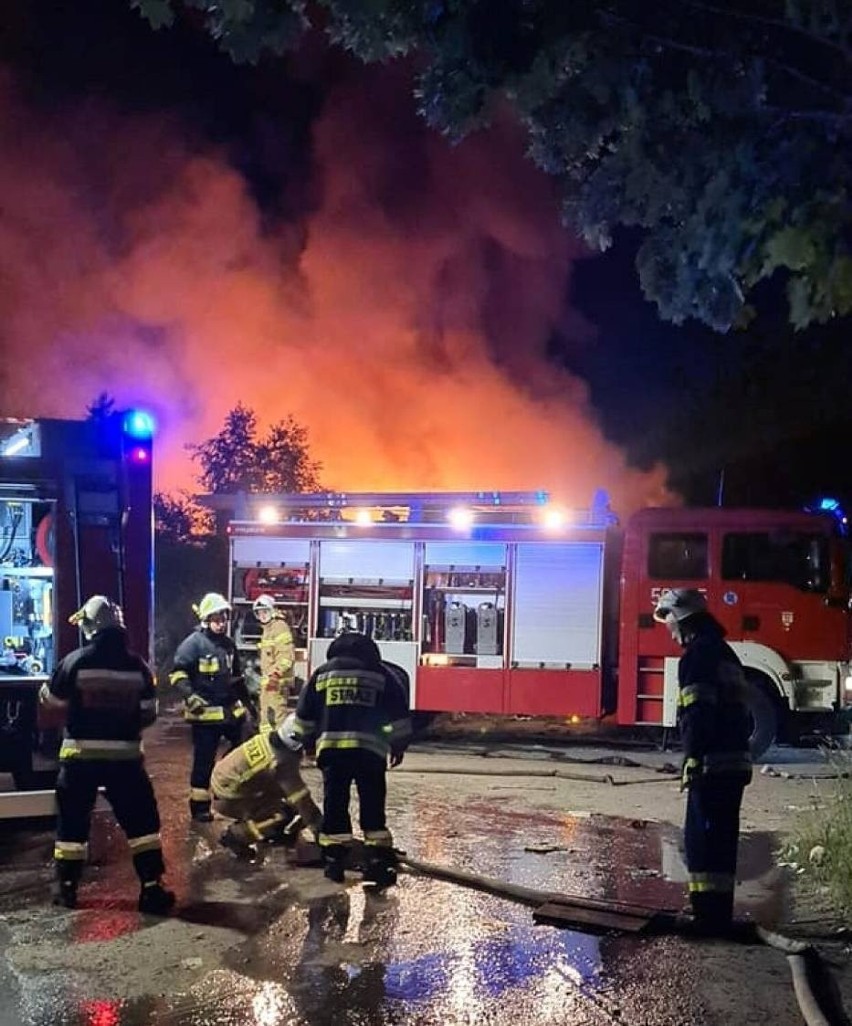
{"points": [[808, 972], [662, 776]]}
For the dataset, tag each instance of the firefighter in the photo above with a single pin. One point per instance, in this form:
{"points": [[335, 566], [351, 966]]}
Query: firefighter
{"points": [[277, 657], [108, 693], [714, 726], [356, 709], [207, 673], [259, 785]]}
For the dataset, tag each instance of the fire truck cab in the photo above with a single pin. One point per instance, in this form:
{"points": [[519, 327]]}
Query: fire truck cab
{"points": [[777, 581], [500, 603], [75, 520]]}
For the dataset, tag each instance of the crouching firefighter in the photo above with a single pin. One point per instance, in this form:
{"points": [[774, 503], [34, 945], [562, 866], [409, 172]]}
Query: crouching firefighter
{"points": [[356, 708], [259, 785], [714, 727], [277, 658], [108, 692], [206, 672]]}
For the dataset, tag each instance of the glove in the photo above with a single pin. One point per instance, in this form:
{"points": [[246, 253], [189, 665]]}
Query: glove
{"points": [[396, 757], [690, 773], [195, 703]]}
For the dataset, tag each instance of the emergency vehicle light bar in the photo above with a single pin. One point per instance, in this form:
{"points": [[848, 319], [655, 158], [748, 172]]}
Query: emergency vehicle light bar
{"points": [[461, 509], [433, 500]]}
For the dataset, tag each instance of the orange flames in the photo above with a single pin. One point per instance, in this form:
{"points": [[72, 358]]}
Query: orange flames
{"points": [[404, 320]]}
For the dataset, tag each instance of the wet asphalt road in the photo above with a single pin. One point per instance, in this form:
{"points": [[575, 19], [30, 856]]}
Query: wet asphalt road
{"points": [[270, 945]]}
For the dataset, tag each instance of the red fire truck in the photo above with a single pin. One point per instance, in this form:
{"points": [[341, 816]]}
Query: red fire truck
{"points": [[501, 603], [75, 520]]}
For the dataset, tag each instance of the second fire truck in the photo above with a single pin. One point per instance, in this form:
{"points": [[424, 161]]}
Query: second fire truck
{"points": [[75, 520], [499, 603]]}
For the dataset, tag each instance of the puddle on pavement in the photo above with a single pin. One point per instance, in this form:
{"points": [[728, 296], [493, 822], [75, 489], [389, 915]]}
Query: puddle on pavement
{"points": [[425, 952]]}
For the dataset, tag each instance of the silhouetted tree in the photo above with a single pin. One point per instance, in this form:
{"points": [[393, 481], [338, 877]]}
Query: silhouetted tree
{"points": [[238, 458], [179, 518], [102, 407], [191, 557]]}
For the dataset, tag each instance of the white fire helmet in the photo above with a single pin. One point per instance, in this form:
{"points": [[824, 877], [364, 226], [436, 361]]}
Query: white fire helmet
{"points": [[211, 604], [286, 732], [676, 604], [263, 603], [97, 614]]}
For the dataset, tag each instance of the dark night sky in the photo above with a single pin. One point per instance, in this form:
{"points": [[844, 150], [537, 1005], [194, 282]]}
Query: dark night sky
{"points": [[770, 406]]}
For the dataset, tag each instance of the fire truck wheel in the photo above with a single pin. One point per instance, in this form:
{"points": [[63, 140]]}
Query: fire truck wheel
{"points": [[764, 715]]}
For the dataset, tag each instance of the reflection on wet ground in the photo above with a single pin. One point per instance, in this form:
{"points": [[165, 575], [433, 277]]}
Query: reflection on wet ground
{"points": [[271, 944]]}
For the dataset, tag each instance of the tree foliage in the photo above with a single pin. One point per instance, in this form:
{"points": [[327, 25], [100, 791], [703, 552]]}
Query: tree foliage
{"points": [[720, 128], [239, 459], [101, 408], [178, 518]]}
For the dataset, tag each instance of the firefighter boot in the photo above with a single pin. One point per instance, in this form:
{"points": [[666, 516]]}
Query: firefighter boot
{"points": [[237, 842], [65, 888], [200, 811], [712, 912], [380, 868], [65, 893], [154, 899], [334, 862]]}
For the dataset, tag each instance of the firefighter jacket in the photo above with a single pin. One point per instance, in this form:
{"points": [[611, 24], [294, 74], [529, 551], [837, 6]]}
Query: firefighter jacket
{"points": [[207, 673], [110, 696], [244, 769], [712, 711], [277, 654], [347, 705]]}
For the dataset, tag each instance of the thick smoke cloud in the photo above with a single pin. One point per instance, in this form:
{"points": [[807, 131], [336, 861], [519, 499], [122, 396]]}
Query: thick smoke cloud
{"points": [[404, 321]]}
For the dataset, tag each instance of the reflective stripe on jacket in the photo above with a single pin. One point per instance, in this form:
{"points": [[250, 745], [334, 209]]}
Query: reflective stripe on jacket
{"points": [[712, 710], [246, 761], [98, 749], [207, 664], [215, 713], [109, 690], [348, 705]]}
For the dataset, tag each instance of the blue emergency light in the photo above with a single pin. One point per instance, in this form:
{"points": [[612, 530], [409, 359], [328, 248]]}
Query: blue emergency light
{"points": [[139, 424], [829, 505]]}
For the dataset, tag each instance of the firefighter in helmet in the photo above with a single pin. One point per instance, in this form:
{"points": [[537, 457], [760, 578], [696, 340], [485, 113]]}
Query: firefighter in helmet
{"points": [[714, 726], [207, 673], [277, 657], [259, 785], [108, 692], [356, 708]]}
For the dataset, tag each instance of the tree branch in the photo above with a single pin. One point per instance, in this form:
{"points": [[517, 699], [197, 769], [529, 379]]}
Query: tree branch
{"points": [[762, 19], [808, 80], [608, 18], [713, 54]]}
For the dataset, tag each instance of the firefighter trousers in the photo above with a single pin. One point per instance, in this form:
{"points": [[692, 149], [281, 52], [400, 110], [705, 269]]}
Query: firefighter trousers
{"points": [[205, 745], [129, 792], [258, 810], [272, 702], [340, 769], [711, 836]]}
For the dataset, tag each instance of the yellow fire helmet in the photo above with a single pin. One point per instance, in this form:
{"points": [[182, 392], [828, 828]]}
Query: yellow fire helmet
{"points": [[97, 614], [211, 604]]}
